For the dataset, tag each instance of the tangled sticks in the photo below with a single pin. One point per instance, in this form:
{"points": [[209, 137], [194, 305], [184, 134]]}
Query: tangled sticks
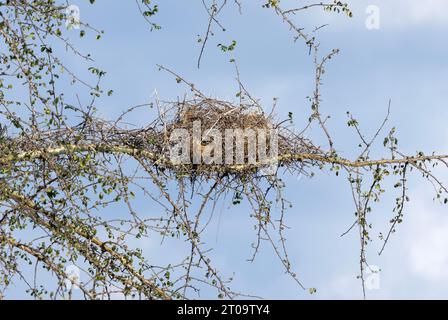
{"points": [[156, 141]]}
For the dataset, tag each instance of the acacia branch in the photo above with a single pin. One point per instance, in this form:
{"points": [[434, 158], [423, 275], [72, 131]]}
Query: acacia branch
{"points": [[162, 160]]}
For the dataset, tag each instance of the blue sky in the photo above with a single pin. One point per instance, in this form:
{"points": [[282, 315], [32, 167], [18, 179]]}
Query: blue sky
{"points": [[404, 60]]}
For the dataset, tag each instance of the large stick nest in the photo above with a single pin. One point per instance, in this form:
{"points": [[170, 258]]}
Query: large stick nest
{"points": [[155, 138], [221, 115]]}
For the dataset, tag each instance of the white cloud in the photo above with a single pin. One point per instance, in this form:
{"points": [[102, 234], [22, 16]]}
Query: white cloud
{"points": [[395, 15], [424, 11], [410, 13], [428, 243]]}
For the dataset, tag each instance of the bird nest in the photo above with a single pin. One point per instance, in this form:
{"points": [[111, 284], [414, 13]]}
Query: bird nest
{"points": [[217, 136]]}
